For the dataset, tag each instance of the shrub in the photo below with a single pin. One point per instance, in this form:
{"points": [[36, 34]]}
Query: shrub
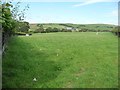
{"points": [[65, 30], [55, 30], [39, 31], [23, 27], [84, 29], [49, 29], [20, 33], [116, 31]]}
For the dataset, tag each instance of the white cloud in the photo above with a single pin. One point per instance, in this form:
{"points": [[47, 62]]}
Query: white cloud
{"points": [[88, 2]]}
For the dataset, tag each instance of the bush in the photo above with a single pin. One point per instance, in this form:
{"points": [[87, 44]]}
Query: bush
{"points": [[65, 30], [39, 31], [49, 29], [20, 33], [43, 31], [55, 30], [84, 29], [31, 32], [23, 27], [116, 31]]}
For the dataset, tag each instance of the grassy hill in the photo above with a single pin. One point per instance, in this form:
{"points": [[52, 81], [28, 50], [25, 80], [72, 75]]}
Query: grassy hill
{"points": [[100, 27]]}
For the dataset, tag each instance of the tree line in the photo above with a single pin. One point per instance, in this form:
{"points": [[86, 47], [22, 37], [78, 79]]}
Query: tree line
{"points": [[42, 29], [12, 20]]}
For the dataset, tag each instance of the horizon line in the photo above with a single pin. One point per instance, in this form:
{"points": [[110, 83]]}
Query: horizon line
{"points": [[72, 23]]}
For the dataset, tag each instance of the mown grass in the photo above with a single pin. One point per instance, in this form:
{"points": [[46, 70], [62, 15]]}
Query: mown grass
{"points": [[62, 60]]}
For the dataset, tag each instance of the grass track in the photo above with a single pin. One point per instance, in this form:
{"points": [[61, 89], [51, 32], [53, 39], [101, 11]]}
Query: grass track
{"points": [[67, 60]]}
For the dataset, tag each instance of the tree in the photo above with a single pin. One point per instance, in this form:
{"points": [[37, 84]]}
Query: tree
{"points": [[19, 15], [23, 27], [7, 22], [55, 30], [40, 29], [49, 29], [10, 20], [116, 31]]}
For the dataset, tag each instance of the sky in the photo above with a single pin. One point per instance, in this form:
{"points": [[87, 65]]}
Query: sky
{"points": [[85, 12]]}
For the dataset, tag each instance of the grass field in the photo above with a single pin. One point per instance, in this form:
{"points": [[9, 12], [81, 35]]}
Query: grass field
{"points": [[62, 60]]}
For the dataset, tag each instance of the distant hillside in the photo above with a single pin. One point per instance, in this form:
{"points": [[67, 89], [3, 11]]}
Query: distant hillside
{"points": [[97, 27]]}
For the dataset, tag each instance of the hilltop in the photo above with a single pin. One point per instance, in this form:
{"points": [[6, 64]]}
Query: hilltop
{"points": [[95, 27]]}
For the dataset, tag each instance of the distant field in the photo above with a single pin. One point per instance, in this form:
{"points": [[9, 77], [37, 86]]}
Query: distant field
{"points": [[62, 60], [101, 27]]}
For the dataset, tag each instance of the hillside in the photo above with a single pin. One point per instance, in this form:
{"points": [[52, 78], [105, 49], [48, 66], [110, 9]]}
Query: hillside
{"points": [[100, 27]]}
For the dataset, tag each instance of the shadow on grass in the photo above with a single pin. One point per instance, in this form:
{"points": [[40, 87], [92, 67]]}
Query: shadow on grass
{"points": [[24, 62]]}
